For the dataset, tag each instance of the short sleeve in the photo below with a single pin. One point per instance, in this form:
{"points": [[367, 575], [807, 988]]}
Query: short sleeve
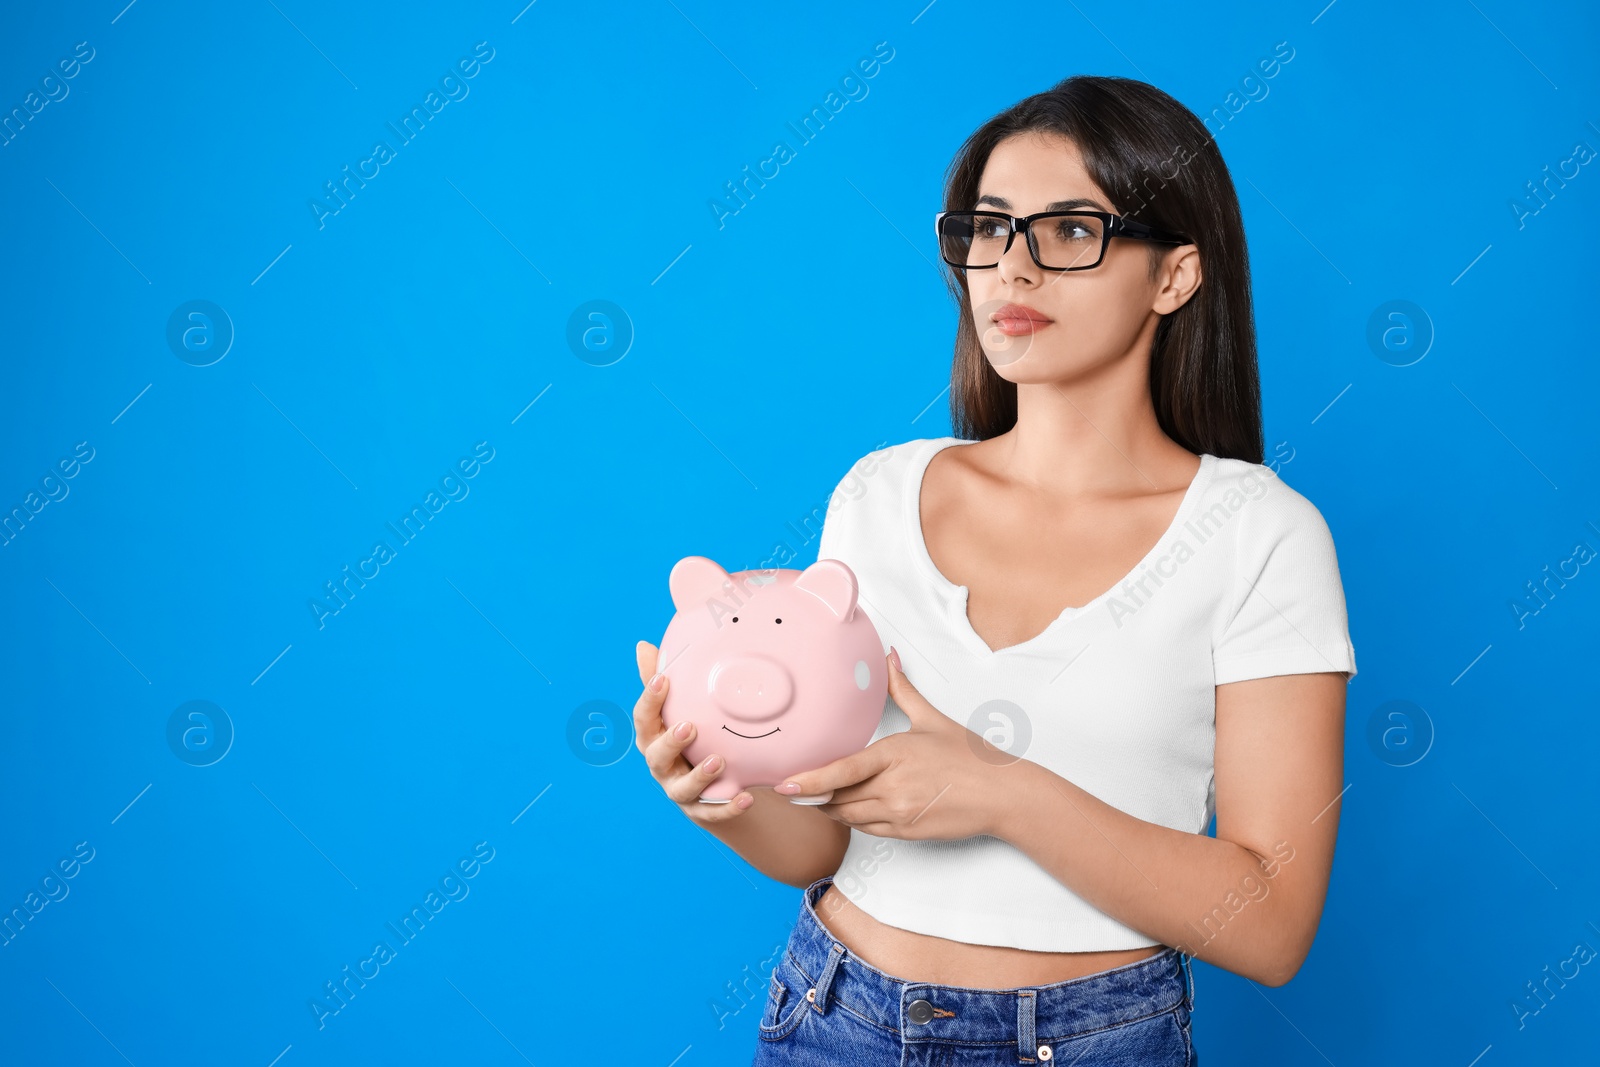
{"points": [[847, 507], [828, 542], [1287, 607]]}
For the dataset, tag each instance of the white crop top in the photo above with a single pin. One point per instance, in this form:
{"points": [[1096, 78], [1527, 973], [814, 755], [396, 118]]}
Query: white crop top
{"points": [[1117, 696]]}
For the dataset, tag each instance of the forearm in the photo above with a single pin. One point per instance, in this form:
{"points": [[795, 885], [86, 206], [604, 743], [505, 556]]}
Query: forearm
{"points": [[1213, 899], [790, 843]]}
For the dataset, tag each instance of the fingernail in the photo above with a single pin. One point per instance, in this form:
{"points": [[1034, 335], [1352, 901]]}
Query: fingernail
{"points": [[894, 657], [788, 788], [681, 730], [711, 763], [656, 682], [744, 801]]}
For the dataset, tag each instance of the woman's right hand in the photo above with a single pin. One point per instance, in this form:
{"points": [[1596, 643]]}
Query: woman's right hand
{"points": [[663, 752]]}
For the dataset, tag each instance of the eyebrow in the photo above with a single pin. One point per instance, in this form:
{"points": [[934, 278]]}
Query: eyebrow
{"points": [[1056, 205]]}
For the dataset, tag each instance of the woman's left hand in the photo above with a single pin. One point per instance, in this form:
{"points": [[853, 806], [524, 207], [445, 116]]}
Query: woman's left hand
{"points": [[936, 780]]}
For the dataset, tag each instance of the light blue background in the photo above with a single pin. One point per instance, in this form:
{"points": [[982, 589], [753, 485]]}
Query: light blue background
{"points": [[768, 354]]}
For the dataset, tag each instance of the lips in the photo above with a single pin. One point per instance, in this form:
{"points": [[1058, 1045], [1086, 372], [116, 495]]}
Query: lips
{"points": [[1019, 320], [1019, 311]]}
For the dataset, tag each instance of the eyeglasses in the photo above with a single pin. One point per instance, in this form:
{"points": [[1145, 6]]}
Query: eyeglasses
{"points": [[1066, 240]]}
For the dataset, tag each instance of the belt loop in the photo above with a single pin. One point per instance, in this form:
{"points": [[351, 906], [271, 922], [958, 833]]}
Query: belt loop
{"points": [[819, 992], [1188, 975], [1027, 1046]]}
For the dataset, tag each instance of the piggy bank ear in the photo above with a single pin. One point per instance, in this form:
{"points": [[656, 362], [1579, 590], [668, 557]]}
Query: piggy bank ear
{"points": [[833, 583], [695, 580]]}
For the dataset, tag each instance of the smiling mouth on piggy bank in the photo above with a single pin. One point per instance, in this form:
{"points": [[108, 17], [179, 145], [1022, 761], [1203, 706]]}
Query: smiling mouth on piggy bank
{"points": [[752, 737]]}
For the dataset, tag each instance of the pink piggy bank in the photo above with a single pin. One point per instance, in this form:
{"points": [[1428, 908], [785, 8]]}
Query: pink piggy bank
{"points": [[779, 670]]}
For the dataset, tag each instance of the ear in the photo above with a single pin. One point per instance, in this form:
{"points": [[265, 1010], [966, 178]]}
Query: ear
{"points": [[833, 583], [694, 581], [1181, 268]]}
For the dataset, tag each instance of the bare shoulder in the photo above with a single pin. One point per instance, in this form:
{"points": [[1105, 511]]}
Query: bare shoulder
{"points": [[975, 476], [957, 475]]}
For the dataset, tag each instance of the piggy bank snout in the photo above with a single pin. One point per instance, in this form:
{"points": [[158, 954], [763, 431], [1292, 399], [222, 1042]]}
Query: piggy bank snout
{"points": [[752, 687]]}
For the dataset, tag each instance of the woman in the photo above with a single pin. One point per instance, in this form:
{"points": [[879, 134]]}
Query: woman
{"points": [[1118, 623]]}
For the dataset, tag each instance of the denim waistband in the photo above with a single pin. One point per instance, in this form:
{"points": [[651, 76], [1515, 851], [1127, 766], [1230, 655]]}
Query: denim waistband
{"points": [[1077, 1006]]}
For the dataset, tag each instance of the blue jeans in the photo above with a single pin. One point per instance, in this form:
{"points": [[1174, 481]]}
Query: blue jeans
{"points": [[826, 1007]]}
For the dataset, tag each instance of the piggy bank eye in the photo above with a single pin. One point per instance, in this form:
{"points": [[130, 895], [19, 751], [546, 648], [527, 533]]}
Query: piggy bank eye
{"points": [[777, 620], [736, 618]]}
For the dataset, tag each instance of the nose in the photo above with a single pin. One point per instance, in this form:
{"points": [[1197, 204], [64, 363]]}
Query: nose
{"points": [[1017, 261], [752, 688]]}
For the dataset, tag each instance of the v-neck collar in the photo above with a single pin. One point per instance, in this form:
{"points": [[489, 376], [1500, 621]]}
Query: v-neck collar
{"points": [[955, 596]]}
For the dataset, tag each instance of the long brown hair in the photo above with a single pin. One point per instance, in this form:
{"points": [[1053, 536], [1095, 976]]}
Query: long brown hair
{"points": [[1161, 166]]}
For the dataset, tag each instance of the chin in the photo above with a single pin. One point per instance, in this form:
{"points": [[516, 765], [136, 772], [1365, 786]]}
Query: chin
{"points": [[1031, 368], [1040, 364]]}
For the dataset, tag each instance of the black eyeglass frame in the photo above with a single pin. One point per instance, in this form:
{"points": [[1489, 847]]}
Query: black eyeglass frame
{"points": [[1113, 226]]}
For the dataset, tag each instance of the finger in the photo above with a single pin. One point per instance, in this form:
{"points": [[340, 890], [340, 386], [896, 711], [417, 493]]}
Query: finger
{"points": [[845, 794], [687, 787], [847, 770], [907, 698], [664, 754], [830, 801], [856, 812], [647, 725], [707, 814], [646, 654]]}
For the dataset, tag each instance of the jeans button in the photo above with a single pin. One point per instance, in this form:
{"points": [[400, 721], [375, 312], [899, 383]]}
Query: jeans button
{"points": [[919, 1011]]}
